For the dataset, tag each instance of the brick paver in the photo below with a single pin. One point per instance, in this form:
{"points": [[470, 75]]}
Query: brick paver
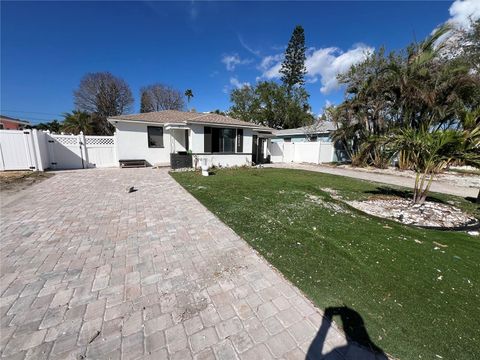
{"points": [[91, 271]]}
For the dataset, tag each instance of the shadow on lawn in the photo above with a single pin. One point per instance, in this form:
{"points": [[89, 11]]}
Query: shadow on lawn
{"points": [[404, 194], [359, 345], [473, 200]]}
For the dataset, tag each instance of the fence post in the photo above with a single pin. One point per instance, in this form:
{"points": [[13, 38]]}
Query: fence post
{"points": [[319, 157], [83, 149], [37, 151], [115, 147]]}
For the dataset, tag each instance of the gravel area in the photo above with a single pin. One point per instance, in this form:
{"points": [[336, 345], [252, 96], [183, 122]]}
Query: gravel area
{"points": [[428, 214]]}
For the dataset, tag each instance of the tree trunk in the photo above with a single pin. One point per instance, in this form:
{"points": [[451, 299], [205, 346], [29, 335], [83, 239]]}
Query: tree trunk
{"points": [[415, 188], [478, 197], [421, 189], [426, 190]]}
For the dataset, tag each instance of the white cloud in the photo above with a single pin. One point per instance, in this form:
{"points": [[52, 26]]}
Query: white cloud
{"points": [[268, 61], [237, 83], [231, 61], [462, 11], [324, 64], [247, 47]]}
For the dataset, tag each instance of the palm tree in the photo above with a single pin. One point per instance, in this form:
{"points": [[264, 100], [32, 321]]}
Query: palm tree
{"points": [[189, 95], [431, 151], [78, 121]]}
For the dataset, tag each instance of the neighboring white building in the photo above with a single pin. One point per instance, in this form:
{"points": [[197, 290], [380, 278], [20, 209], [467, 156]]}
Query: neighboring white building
{"points": [[316, 132], [221, 140], [307, 144]]}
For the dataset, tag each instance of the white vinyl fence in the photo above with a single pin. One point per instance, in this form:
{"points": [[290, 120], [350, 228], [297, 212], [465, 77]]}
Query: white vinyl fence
{"points": [[38, 150], [302, 152]]}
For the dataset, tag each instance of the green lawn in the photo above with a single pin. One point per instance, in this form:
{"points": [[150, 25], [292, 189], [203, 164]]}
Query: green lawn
{"points": [[417, 290]]}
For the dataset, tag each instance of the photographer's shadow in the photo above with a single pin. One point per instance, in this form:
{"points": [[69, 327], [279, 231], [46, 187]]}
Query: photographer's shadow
{"points": [[358, 346]]}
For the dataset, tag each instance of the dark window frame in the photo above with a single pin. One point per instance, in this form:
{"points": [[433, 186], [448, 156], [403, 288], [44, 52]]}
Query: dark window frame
{"points": [[213, 140], [149, 128]]}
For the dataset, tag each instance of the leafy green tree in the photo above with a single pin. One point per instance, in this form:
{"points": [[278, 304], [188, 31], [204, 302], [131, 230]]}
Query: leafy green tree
{"points": [[218, 111], [271, 104], [415, 88], [78, 121], [293, 68], [244, 104], [464, 45], [53, 126]]}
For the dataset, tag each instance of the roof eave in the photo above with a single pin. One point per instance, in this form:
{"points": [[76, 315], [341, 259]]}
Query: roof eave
{"points": [[188, 122], [246, 126]]}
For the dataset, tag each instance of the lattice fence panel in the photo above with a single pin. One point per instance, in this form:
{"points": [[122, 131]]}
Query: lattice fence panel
{"points": [[99, 140], [66, 140]]}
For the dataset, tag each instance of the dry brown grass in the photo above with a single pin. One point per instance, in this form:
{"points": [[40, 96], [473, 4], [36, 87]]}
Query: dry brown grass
{"points": [[17, 180]]}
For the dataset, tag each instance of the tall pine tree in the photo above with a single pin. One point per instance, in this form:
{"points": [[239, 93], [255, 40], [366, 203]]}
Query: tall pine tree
{"points": [[293, 67]]}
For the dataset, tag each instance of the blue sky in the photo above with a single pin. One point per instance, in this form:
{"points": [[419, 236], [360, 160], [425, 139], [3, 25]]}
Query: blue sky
{"points": [[210, 47]]}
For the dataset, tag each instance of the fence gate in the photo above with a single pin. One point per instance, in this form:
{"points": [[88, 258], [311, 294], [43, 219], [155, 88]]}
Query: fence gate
{"points": [[66, 152], [100, 151], [39, 150], [16, 150]]}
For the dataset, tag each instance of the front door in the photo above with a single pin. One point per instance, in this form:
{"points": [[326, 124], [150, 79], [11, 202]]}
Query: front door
{"points": [[254, 149], [260, 152]]}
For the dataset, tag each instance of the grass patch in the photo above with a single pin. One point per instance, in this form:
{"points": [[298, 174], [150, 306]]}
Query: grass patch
{"points": [[417, 290]]}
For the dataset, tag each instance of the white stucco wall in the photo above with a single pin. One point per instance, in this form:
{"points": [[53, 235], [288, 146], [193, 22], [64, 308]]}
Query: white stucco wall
{"points": [[132, 140], [226, 160], [247, 140], [196, 145]]}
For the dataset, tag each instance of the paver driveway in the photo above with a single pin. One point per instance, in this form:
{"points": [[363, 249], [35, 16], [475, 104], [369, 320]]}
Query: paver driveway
{"points": [[91, 271]]}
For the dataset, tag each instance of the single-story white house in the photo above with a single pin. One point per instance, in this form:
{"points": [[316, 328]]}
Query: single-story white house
{"points": [[163, 137]]}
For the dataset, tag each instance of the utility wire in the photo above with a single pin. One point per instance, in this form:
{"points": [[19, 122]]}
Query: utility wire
{"points": [[29, 112]]}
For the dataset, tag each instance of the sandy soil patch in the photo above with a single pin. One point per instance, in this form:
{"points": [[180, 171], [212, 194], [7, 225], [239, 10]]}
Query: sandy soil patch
{"points": [[13, 181]]}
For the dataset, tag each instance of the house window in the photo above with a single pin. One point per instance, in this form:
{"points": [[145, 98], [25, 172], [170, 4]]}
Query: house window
{"points": [[155, 136], [287, 139], [219, 140]]}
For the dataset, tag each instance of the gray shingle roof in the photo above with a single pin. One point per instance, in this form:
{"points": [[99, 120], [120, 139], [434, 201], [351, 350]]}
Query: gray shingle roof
{"points": [[319, 128], [173, 116]]}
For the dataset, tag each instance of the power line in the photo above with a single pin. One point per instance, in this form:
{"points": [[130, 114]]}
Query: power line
{"points": [[30, 112], [35, 119]]}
